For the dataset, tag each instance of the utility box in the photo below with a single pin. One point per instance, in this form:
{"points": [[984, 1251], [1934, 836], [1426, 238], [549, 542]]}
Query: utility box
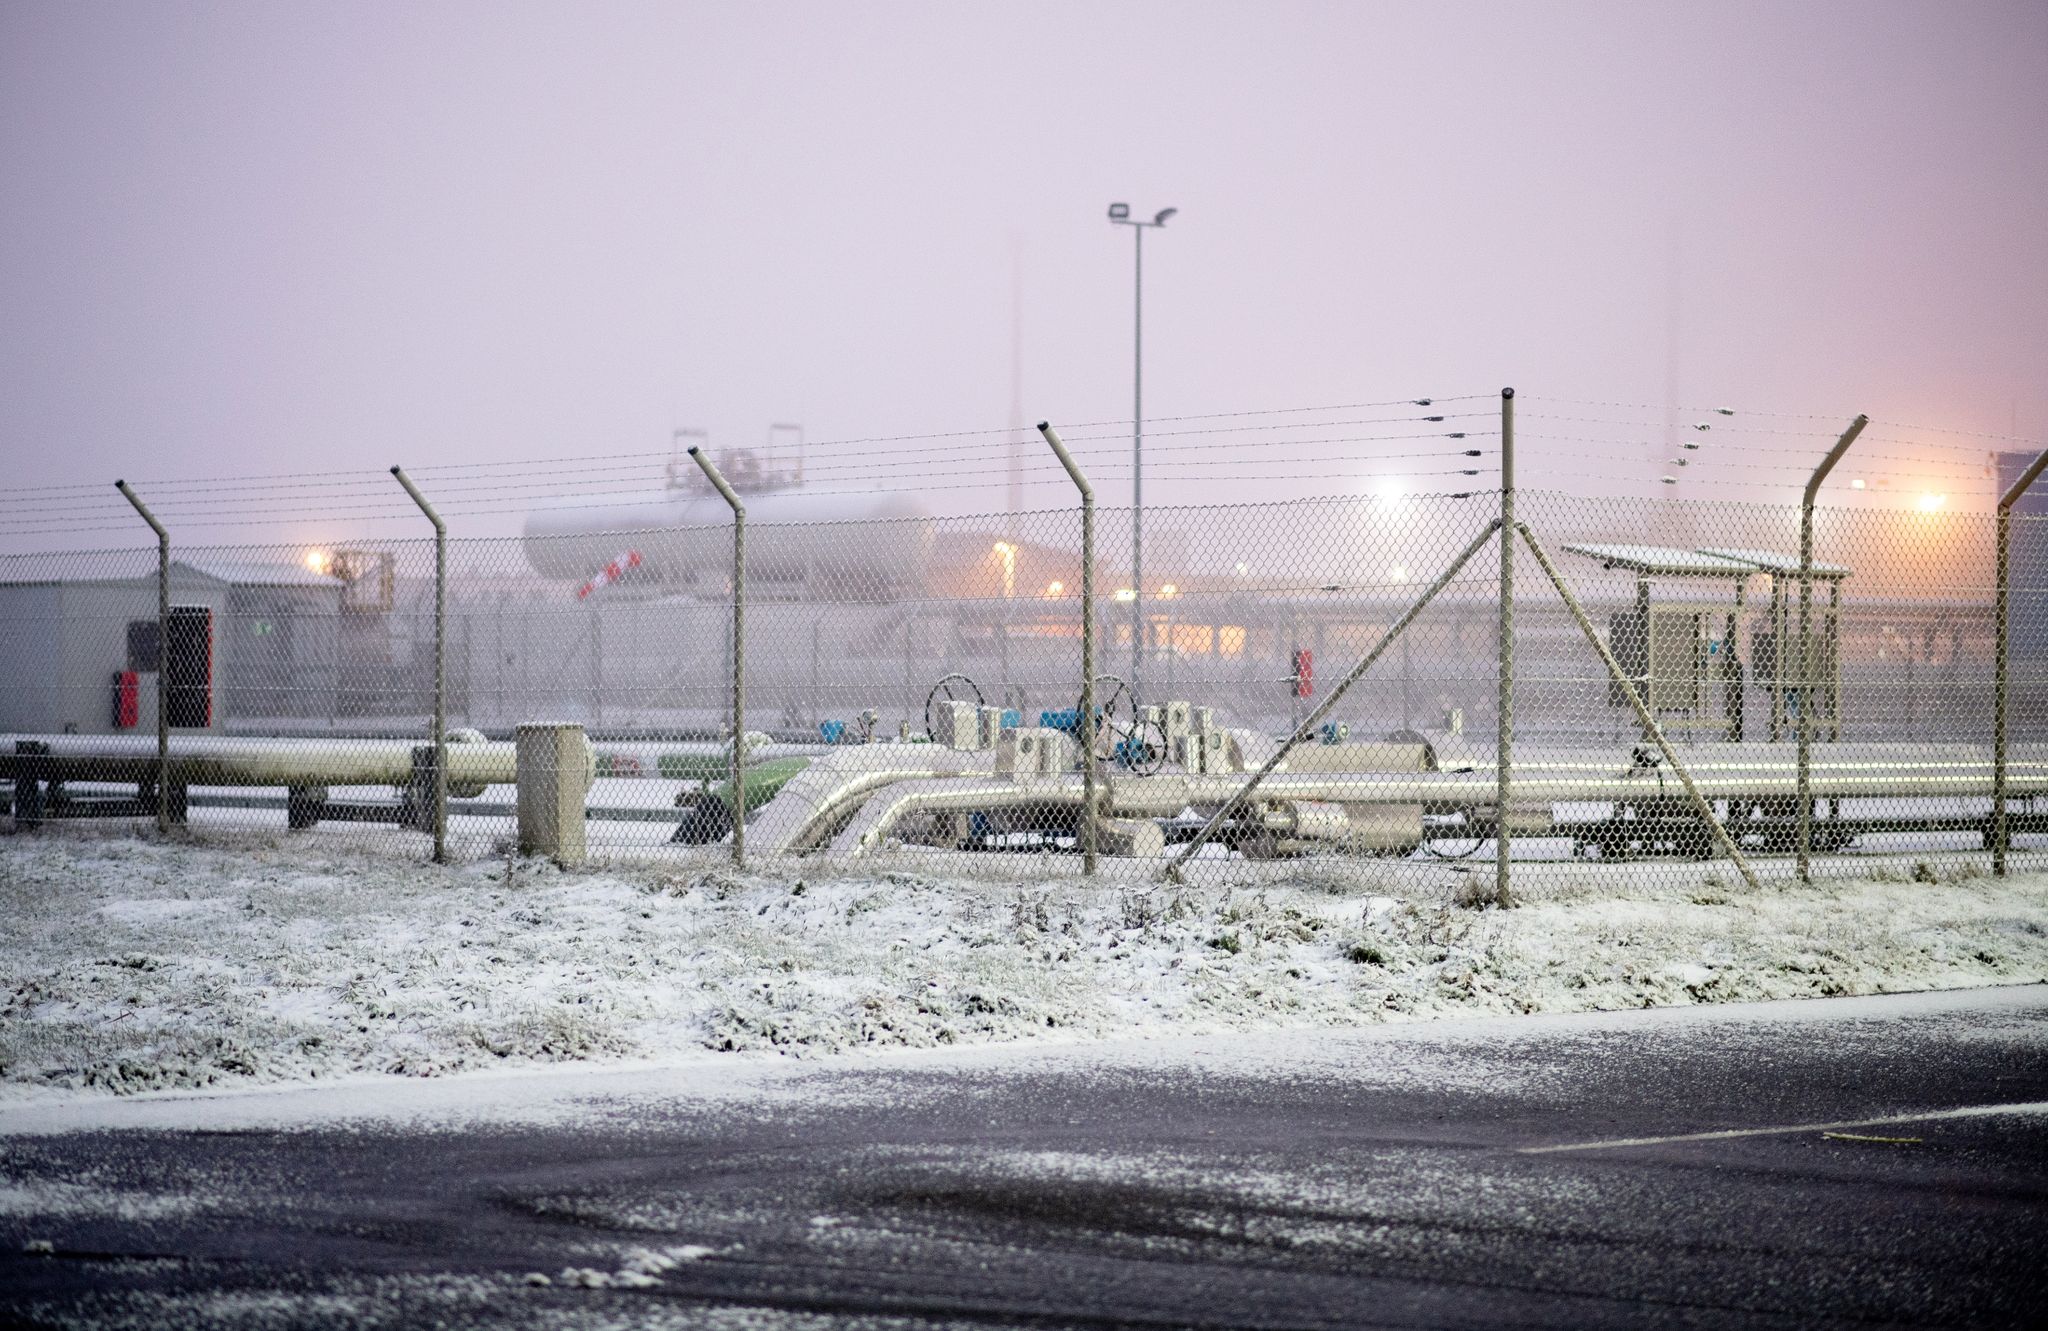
{"points": [[555, 768], [961, 726], [1027, 751]]}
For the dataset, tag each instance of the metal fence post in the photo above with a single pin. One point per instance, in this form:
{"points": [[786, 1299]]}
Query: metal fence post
{"points": [[440, 665], [739, 654], [1805, 796], [2001, 832], [1087, 830], [163, 649], [1504, 746]]}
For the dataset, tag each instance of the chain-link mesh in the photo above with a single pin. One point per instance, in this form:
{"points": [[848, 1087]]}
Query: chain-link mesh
{"points": [[913, 688]]}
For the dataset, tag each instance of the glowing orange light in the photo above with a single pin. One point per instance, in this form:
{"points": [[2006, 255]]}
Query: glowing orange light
{"points": [[1932, 502], [1167, 591], [1055, 587], [317, 560]]}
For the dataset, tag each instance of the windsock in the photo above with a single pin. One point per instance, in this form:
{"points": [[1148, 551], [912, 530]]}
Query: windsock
{"points": [[609, 574]]}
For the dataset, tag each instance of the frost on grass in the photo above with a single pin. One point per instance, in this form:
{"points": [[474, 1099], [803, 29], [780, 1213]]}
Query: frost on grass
{"points": [[131, 966]]}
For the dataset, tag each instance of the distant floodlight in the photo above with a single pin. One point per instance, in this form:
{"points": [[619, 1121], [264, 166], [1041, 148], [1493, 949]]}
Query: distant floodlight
{"points": [[1932, 502], [1856, 484], [1119, 212], [1159, 218]]}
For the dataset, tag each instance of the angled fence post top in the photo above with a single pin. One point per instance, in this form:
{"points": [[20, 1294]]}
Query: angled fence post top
{"points": [[2023, 482], [717, 479], [420, 499], [1066, 460], [129, 494], [1827, 464]]}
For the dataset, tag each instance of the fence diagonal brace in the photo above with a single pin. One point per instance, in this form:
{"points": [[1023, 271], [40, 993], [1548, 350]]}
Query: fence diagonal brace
{"points": [[1307, 727], [1635, 699]]}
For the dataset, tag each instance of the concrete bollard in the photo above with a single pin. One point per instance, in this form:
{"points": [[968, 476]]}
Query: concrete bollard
{"points": [[555, 768]]}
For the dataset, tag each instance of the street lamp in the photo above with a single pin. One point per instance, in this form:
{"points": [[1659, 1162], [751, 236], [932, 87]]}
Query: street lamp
{"points": [[1120, 215]]}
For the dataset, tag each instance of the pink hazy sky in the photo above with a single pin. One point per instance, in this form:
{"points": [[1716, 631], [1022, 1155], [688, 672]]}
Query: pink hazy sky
{"points": [[274, 238]]}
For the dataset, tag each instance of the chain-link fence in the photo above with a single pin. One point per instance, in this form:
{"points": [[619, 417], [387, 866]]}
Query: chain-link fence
{"points": [[1306, 685]]}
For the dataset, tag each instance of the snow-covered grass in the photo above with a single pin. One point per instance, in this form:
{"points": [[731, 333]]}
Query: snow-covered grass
{"points": [[128, 965]]}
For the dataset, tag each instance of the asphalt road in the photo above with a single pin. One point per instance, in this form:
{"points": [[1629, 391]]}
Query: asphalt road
{"points": [[1833, 1162]]}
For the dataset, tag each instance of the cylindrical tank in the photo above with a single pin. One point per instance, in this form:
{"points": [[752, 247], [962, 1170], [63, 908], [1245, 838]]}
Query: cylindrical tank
{"points": [[850, 544]]}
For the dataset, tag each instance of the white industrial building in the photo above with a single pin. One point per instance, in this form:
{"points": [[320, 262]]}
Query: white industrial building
{"points": [[80, 649]]}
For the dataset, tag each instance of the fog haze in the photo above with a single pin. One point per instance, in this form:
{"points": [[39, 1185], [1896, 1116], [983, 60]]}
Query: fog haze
{"points": [[291, 238]]}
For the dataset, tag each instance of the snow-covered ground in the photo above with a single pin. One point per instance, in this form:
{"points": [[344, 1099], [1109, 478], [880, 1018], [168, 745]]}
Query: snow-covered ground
{"points": [[130, 965]]}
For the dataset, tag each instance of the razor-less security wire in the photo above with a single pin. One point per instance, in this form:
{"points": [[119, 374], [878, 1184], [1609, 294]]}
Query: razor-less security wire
{"points": [[913, 670]]}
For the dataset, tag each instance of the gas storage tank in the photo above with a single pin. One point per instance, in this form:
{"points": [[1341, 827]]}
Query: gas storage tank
{"points": [[849, 545]]}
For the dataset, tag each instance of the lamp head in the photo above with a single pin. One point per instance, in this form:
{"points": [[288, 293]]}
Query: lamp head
{"points": [[1119, 212], [1162, 215]]}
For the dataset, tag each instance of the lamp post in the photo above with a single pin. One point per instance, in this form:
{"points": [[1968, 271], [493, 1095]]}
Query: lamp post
{"points": [[1120, 215]]}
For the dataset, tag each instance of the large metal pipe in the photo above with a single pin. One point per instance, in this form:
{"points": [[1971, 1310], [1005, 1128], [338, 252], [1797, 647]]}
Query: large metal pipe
{"points": [[219, 760], [739, 652], [440, 665], [1165, 795], [163, 649], [1805, 796], [1087, 641], [818, 800], [2001, 831]]}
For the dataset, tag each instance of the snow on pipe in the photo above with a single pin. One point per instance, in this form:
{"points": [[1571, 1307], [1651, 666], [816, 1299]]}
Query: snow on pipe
{"points": [[1164, 795], [822, 797], [217, 760], [249, 761]]}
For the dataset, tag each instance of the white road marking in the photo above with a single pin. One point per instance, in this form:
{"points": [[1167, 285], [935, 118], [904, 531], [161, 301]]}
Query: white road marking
{"points": [[1933, 1115]]}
